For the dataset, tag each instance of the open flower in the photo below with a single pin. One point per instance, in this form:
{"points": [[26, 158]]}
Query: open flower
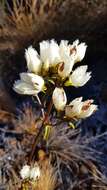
{"points": [[49, 53], [65, 67], [67, 61], [33, 61], [79, 77], [78, 50], [79, 109], [25, 172], [75, 50], [35, 173], [59, 98], [29, 84], [28, 172]]}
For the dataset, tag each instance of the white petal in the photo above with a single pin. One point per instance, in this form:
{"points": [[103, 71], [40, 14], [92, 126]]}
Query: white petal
{"points": [[33, 62], [49, 51], [24, 88], [76, 42], [54, 53], [79, 76], [81, 49], [59, 98], [74, 108], [35, 173], [89, 111], [25, 172], [34, 80], [78, 50], [44, 50], [64, 48], [65, 67], [31, 78]]}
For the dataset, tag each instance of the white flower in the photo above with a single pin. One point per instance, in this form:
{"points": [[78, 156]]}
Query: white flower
{"points": [[35, 173], [59, 98], [64, 48], [79, 109], [65, 67], [33, 61], [30, 173], [25, 172], [78, 50], [74, 108], [79, 77], [49, 52], [88, 109], [29, 84], [24, 88], [67, 62]]}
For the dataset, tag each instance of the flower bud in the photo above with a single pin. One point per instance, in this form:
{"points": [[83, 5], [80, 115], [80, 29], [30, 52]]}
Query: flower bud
{"points": [[59, 98], [29, 84], [33, 61]]}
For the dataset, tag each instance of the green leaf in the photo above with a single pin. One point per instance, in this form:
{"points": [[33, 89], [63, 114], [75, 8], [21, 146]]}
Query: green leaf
{"points": [[51, 81], [47, 132], [71, 125], [68, 83]]}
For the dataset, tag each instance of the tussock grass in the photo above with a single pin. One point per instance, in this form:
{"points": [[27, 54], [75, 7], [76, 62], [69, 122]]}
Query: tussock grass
{"points": [[25, 22]]}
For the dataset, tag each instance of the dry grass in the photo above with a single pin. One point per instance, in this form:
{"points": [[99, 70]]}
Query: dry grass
{"points": [[28, 120], [26, 22], [6, 102], [6, 117], [76, 161], [74, 164], [47, 180], [68, 144]]}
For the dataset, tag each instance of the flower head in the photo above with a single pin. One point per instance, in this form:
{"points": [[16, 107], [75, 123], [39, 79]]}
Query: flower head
{"points": [[25, 172], [59, 98], [79, 109], [80, 77], [29, 84], [33, 61]]}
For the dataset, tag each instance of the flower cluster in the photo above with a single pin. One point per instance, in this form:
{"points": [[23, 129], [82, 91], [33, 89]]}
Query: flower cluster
{"points": [[55, 64], [30, 173]]}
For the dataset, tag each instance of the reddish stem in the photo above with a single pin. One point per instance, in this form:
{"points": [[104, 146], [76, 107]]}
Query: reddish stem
{"points": [[46, 118]]}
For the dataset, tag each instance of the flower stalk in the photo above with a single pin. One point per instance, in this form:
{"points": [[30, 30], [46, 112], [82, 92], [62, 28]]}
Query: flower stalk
{"points": [[44, 122], [51, 70]]}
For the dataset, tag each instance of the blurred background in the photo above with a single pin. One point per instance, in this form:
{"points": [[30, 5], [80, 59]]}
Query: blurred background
{"points": [[23, 23], [27, 22]]}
